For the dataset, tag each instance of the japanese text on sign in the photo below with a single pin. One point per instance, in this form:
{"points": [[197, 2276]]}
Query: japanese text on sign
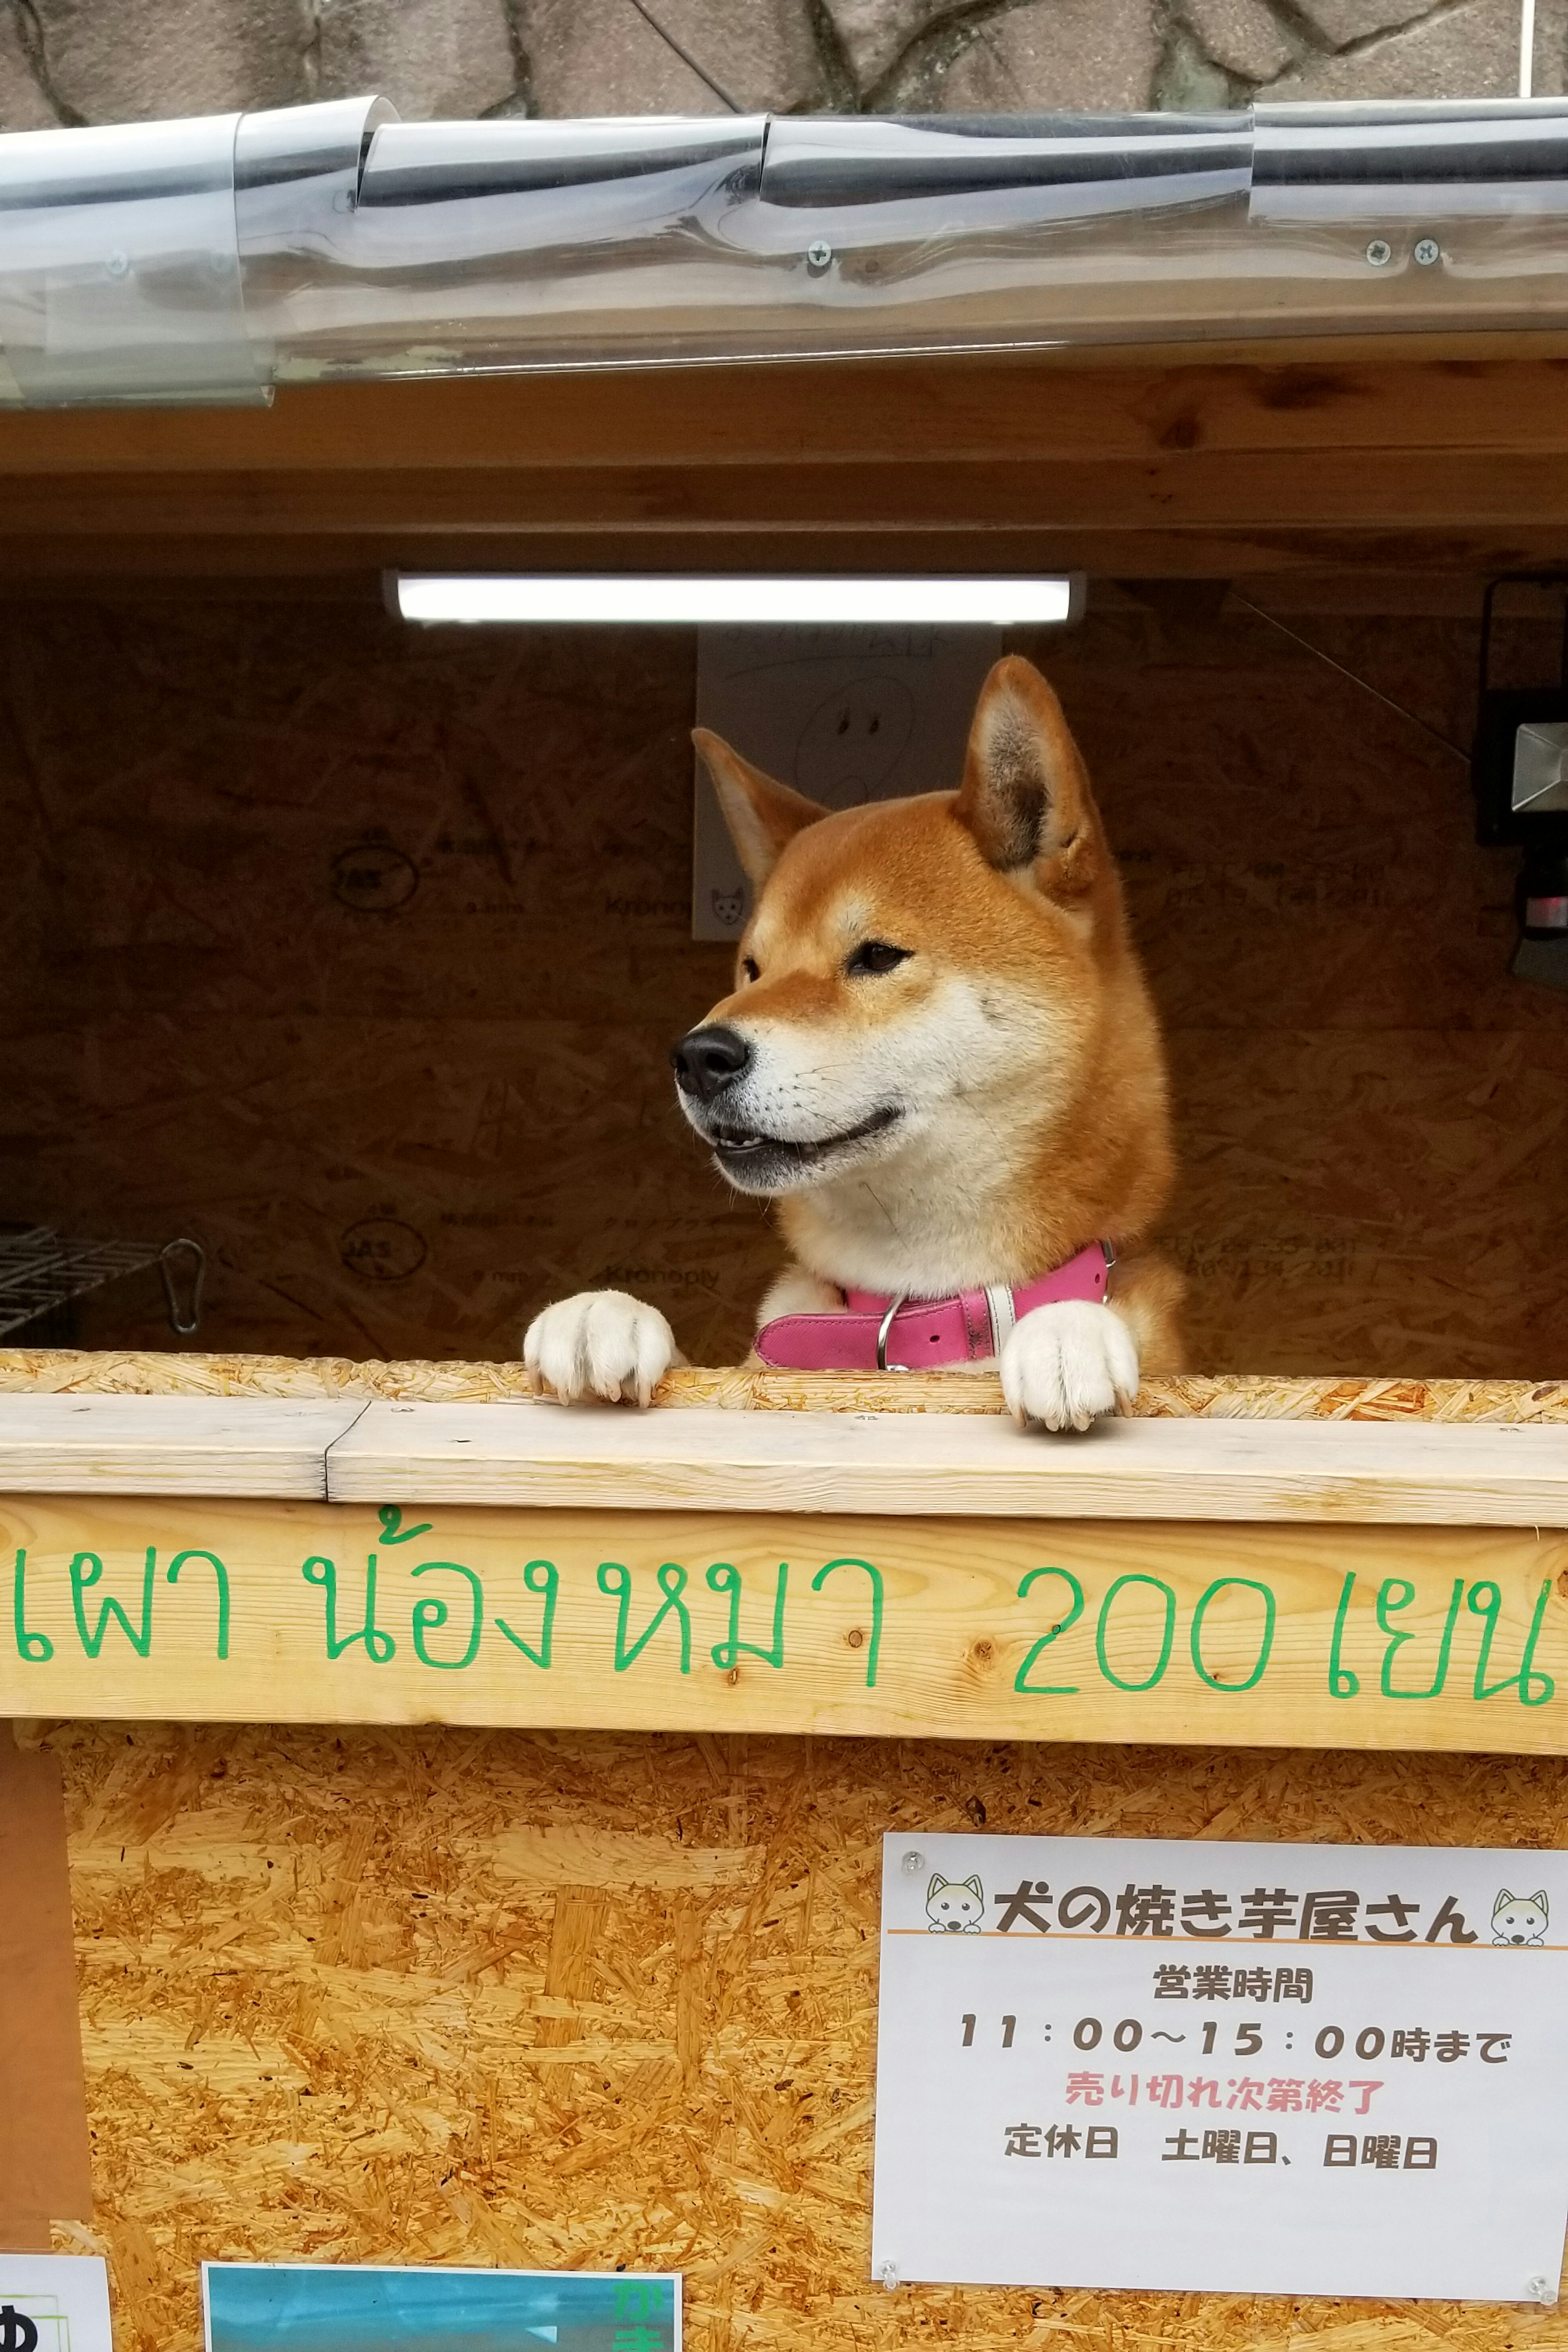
{"points": [[1031, 2030]]}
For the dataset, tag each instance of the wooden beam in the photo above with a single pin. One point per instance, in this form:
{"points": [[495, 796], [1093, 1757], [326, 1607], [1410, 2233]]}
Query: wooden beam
{"points": [[1277, 496], [350, 564], [1130, 463], [1283, 1634], [949, 1466], [953, 1465], [169, 1445], [955, 407], [745, 1388]]}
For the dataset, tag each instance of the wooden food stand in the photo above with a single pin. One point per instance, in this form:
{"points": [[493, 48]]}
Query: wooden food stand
{"points": [[526, 1911]]}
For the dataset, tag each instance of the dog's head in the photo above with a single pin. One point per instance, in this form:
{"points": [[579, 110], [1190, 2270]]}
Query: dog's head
{"points": [[1518, 1918], [954, 1905], [929, 982]]}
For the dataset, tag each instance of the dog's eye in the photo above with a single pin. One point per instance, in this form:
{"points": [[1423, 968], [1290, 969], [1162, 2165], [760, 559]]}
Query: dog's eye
{"points": [[876, 956], [751, 967]]}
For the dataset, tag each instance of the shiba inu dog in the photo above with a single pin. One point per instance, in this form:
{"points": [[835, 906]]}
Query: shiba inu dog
{"points": [[940, 1060], [954, 1908], [1518, 1918]]}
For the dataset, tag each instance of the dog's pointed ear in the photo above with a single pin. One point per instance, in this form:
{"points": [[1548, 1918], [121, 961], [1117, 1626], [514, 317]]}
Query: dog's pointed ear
{"points": [[1024, 794], [979, 1891], [934, 1889], [1504, 1897], [763, 817], [1539, 1899]]}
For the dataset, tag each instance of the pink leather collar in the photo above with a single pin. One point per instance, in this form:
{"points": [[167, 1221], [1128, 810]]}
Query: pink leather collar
{"points": [[876, 1333]]}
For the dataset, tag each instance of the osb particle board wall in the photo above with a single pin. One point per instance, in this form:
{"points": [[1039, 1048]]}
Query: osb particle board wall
{"points": [[572, 2002], [356, 952]]}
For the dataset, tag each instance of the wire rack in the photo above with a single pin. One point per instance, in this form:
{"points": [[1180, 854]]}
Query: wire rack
{"points": [[41, 1272]]}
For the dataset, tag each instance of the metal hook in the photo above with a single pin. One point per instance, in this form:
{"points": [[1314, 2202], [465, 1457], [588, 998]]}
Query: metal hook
{"points": [[183, 1325]]}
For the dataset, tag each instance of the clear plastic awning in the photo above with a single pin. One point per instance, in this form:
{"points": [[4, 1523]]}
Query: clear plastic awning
{"points": [[211, 260]]}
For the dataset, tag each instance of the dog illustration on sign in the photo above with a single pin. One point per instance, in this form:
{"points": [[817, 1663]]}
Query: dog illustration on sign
{"points": [[850, 746], [1518, 1918], [954, 1906]]}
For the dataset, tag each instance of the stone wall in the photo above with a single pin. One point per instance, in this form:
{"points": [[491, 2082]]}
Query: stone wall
{"points": [[72, 61]]}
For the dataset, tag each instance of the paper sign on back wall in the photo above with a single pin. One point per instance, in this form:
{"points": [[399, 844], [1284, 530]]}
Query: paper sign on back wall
{"points": [[376, 2307], [1248, 2069], [842, 715], [54, 2302]]}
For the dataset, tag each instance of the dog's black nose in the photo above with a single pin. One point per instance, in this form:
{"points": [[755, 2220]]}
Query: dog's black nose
{"points": [[708, 1060]]}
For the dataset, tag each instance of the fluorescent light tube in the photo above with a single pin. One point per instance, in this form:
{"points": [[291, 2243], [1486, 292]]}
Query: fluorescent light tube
{"points": [[838, 599]]}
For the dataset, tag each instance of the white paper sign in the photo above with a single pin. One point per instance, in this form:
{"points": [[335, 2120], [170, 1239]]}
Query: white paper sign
{"points": [[54, 2302], [1248, 2069], [842, 715]]}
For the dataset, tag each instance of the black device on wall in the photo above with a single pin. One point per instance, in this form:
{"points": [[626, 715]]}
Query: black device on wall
{"points": [[1520, 770]]}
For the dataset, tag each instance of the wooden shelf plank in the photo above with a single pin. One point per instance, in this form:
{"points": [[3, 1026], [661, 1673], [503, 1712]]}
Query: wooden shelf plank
{"points": [[941, 1465], [266, 1447], [744, 1387], [952, 1465]]}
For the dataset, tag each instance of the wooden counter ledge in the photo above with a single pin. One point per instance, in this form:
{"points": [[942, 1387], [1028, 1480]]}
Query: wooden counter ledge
{"points": [[932, 1465]]}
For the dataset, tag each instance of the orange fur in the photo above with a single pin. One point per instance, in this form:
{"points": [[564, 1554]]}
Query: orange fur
{"points": [[942, 1062], [1081, 1146]]}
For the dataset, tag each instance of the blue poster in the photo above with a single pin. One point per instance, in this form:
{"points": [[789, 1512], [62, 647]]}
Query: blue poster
{"points": [[323, 2307]]}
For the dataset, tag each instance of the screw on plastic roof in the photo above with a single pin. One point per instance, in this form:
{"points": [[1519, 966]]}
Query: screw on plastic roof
{"points": [[1541, 2290], [1380, 253], [1427, 250], [118, 264], [889, 2274], [818, 255], [913, 1863]]}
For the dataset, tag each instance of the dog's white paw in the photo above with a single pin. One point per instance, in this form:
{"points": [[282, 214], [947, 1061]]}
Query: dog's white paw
{"points": [[1066, 1365], [600, 1343]]}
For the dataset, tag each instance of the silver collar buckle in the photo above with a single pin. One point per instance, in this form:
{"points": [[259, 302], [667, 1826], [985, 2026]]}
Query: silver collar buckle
{"points": [[883, 1328]]}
